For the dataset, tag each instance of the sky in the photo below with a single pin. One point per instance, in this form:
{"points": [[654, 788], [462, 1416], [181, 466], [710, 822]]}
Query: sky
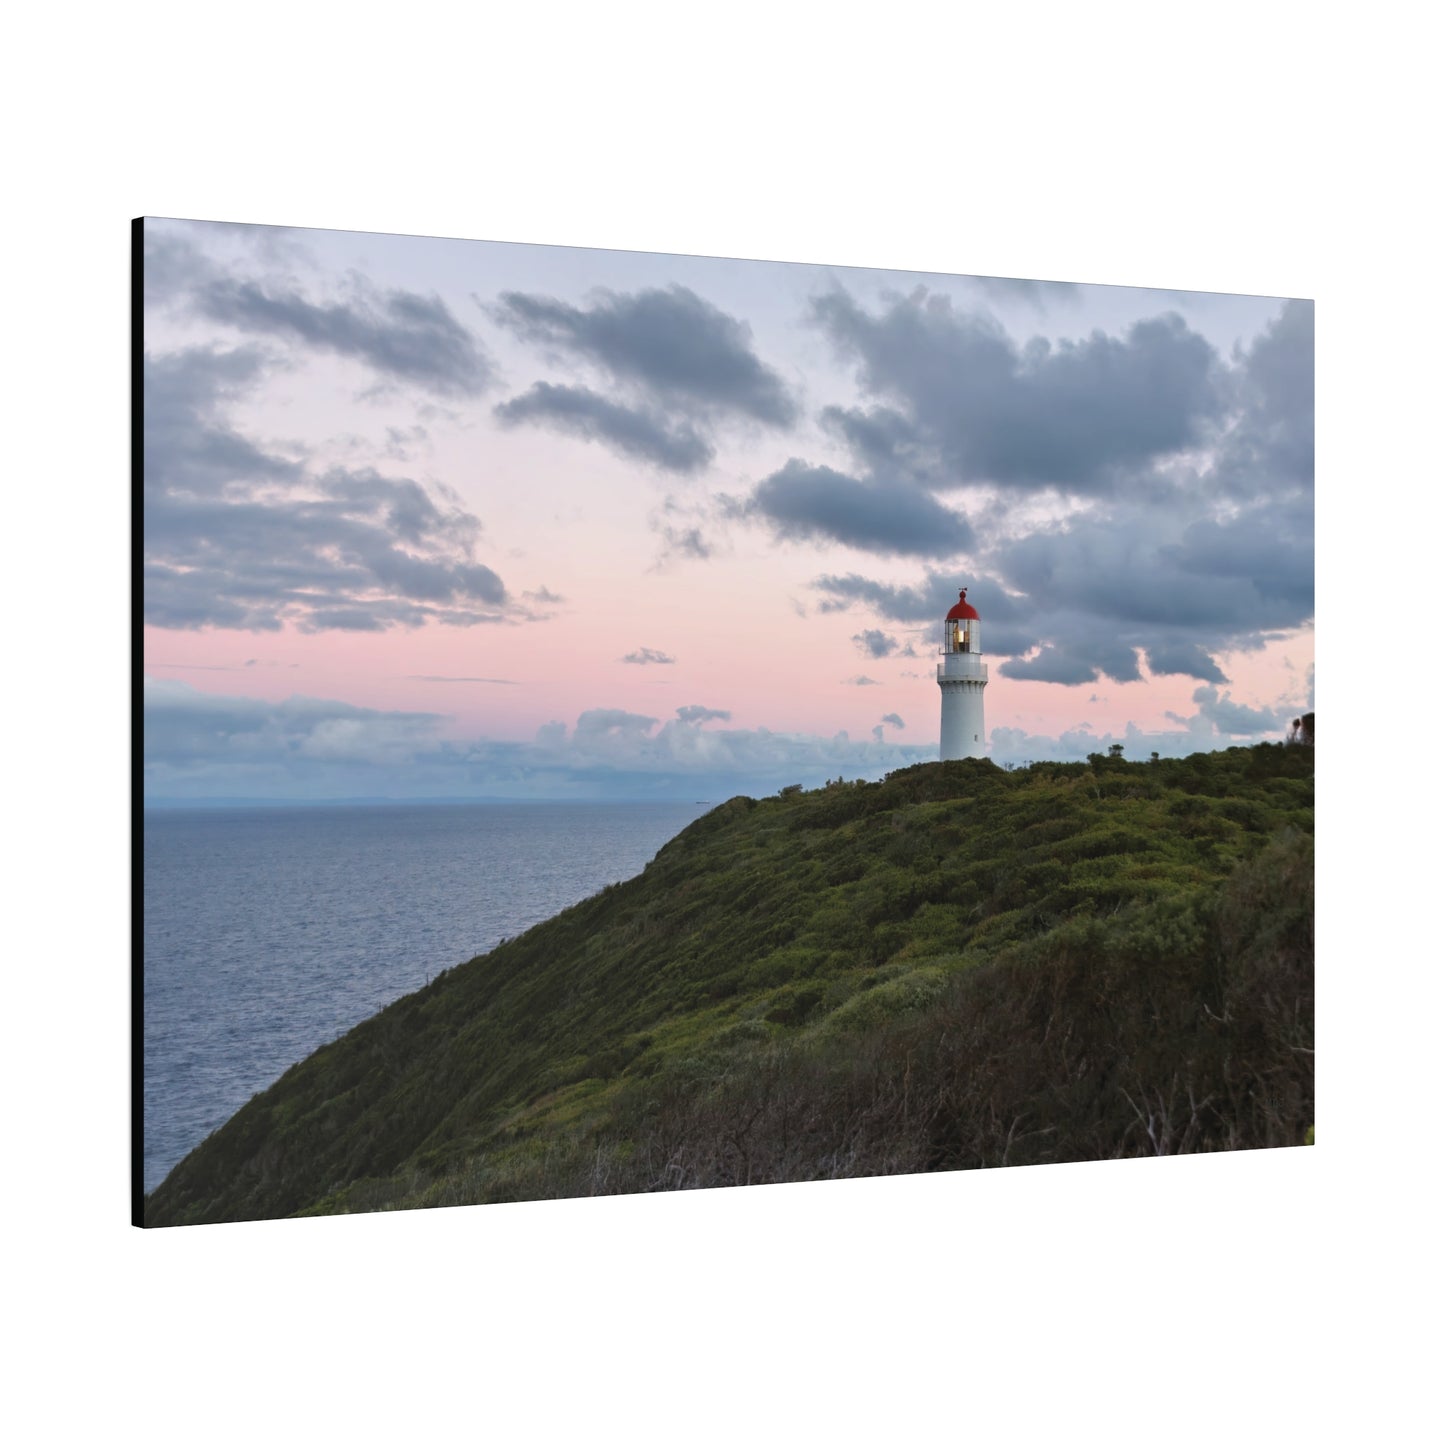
{"points": [[429, 518]]}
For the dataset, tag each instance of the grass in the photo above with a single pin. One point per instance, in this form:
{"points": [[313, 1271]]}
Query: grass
{"points": [[957, 967]]}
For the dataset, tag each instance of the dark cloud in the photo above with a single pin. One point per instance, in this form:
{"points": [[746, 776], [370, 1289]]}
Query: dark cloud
{"points": [[1271, 445], [236, 536], [861, 681], [170, 267], [1082, 600], [804, 503], [1187, 659], [632, 431], [648, 655], [402, 335], [1076, 415], [1265, 552], [696, 714], [875, 643], [1207, 554], [892, 719], [1178, 574], [1052, 664], [188, 445], [884, 441], [1140, 570], [1196, 531], [672, 344], [926, 602], [1006, 620]]}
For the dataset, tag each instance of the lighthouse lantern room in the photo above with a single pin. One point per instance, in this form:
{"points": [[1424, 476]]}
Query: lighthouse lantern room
{"points": [[962, 677]]}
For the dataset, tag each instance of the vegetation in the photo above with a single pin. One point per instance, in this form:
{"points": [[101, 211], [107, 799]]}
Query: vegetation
{"points": [[958, 967]]}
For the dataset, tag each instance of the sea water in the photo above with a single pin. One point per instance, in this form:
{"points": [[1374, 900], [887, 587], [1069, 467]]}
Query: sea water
{"points": [[268, 932]]}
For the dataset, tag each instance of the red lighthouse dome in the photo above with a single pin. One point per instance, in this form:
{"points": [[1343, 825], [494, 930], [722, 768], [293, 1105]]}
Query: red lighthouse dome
{"points": [[962, 608]]}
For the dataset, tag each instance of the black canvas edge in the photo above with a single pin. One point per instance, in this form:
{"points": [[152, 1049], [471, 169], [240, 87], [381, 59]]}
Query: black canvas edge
{"points": [[137, 970]]}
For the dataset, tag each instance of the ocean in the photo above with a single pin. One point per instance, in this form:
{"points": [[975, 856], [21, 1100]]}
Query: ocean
{"points": [[268, 932]]}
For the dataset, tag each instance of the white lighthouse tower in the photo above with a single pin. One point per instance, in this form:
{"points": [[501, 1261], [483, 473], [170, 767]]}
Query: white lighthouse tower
{"points": [[962, 677]]}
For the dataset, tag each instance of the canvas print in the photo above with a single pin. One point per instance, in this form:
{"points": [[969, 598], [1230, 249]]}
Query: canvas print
{"points": [[620, 722]]}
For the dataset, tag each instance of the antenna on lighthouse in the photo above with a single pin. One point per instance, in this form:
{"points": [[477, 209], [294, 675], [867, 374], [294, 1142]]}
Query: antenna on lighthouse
{"points": [[962, 677]]}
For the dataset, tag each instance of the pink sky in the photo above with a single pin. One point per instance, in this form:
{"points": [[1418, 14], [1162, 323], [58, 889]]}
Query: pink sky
{"points": [[301, 358]]}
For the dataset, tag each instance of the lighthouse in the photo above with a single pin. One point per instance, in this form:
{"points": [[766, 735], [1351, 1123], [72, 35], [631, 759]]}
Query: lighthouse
{"points": [[962, 677]]}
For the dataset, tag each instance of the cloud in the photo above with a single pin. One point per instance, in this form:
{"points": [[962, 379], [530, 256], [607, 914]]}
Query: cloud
{"points": [[428, 677], [1005, 618], [685, 542], [1189, 525], [679, 525], [862, 681], [884, 441], [1054, 664], [238, 536], [201, 735], [1186, 658], [607, 722], [200, 745], [926, 601], [401, 335], [1074, 415], [629, 430], [875, 643], [802, 503], [696, 714], [1145, 577], [1235, 719], [206, 745], [645, 656], [669, 343], [1038, 294], [1082, 596], [1271, 446], [1198, 732], [188, 444], [171, 266]]}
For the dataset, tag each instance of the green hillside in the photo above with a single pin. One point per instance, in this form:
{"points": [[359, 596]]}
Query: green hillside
{"points": [[958, 967]]}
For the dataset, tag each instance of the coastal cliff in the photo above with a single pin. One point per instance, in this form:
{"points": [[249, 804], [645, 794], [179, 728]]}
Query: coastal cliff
{"points": [[958, 967]]}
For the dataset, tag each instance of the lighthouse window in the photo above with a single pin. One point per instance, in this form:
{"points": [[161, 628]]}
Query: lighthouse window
{"points": [[964, 646]]}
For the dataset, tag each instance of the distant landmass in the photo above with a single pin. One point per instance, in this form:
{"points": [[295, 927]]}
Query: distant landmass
{"points": [[373, 802], [958, 967]]}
